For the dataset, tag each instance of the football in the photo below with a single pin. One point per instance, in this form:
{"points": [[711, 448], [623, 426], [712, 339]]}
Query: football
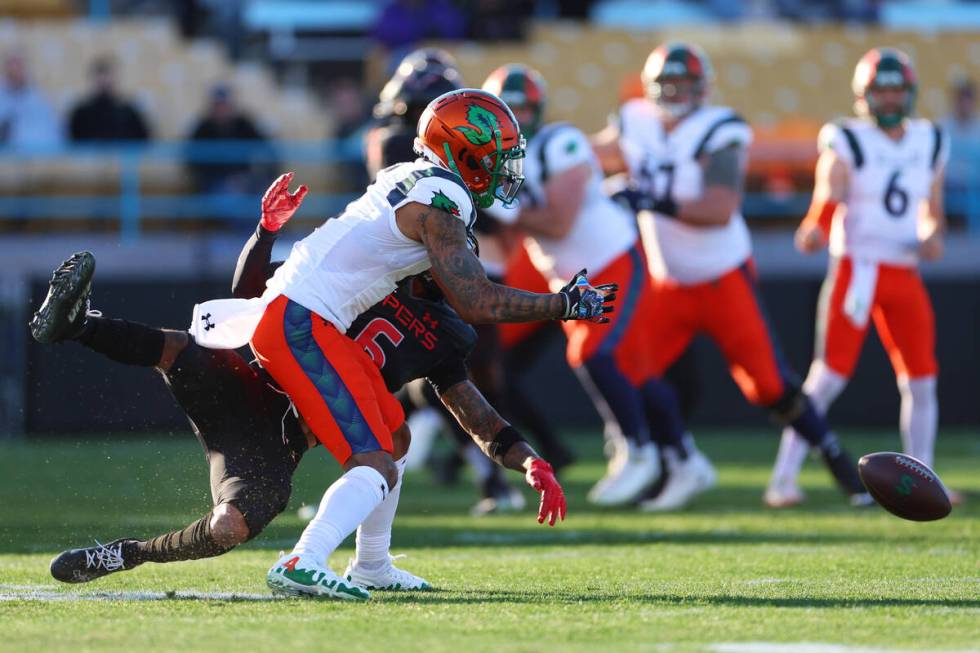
{"points": [[904, 486]]}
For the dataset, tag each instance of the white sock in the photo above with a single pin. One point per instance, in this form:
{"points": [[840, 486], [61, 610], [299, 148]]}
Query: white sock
{"points": [[374, 533], [822, 386], [345, 504], [919, 417]]}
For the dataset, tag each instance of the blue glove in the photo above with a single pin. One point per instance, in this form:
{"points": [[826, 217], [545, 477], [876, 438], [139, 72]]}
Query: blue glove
{"points": [[586, 302]]}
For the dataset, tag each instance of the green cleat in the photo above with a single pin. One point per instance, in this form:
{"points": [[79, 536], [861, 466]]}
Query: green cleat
{"points": [[298, 576]]}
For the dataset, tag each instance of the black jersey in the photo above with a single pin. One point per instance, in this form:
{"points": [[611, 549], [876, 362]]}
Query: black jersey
{"points": [[411, 337], [408, 335], [397, 144]]}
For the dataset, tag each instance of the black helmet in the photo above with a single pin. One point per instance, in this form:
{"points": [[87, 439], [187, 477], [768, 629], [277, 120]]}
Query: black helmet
{"points": [[404, 98]]}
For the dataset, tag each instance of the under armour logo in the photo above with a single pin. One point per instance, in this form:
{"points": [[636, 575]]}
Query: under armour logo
{"points": [[429, 320], [208, 324]]}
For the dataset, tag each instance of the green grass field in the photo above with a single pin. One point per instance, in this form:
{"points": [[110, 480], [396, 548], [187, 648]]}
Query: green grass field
{"points": [[725, 576]]}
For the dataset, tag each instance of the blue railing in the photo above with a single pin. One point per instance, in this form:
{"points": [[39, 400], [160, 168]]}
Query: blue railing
{"points": [[130, 205]]}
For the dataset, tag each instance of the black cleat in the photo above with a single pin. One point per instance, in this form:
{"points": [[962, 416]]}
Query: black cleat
{"points": [[84, 565], [62, 315]]}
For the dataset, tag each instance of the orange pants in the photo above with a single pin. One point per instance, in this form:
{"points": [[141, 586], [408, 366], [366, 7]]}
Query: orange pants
{"points": [[902, 314], [730, 311], [627, 335], [521, 274], [331, 380]]}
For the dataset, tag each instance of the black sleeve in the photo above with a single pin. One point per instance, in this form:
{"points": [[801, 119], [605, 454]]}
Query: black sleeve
{"points": [[253, 266], [447, 373]]}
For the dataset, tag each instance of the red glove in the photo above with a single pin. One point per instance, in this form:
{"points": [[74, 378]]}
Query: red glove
{"points": [[278, 204], [542, 478]]}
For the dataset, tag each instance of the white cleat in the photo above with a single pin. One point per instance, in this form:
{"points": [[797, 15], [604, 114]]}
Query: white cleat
{"points": [[385, 577], [297, 575], [686, 479], [782, 494], [631, 472]]}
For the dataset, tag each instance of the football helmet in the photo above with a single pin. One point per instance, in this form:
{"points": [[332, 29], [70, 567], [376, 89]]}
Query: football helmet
{"points": [[882, 68], [676, 77], [474, 134], [520, 87]]}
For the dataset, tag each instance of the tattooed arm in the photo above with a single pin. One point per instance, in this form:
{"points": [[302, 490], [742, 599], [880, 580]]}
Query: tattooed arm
{"points": [[483, 423], [461, 276]]}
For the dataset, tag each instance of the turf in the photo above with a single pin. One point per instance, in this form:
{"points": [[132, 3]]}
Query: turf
{"points": [[724, 576]]}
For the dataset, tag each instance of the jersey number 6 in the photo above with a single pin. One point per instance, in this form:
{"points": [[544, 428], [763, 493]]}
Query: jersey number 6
{"points": [[896, 198], [368, 338]]}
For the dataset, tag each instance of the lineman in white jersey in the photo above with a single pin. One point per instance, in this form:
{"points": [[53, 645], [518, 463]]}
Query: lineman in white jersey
{"points": [[416, 216], [687, 160], [570, 222], [878, 198]]}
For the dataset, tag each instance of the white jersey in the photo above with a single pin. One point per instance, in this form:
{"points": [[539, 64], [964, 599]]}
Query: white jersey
{"points": [[887, 183], [602, 231], [353, 261], [667, 165]]}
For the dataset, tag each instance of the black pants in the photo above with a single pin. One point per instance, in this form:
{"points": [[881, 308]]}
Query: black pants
{"points": [[250, 436]]}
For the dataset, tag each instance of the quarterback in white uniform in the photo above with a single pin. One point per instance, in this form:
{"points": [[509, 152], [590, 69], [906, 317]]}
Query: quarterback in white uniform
{"points": [[878, 202], [570, 222], [416, 216], [686, 159]]}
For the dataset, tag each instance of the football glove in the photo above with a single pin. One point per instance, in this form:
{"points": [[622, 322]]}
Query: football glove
{"points": [[586, 302], [541, 477], [278, 204]]}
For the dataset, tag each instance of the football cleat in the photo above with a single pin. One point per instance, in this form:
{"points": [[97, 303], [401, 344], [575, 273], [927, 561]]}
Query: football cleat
{"points": [[861, 500], [84, 565], [686, 479], [632, 471], [498, 496], [783, 494], [385, 577], [297, 575], [62, 315]]}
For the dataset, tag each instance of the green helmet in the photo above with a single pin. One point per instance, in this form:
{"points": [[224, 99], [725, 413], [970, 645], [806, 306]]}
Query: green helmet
{"points": [[884, 68], [520, 86]]}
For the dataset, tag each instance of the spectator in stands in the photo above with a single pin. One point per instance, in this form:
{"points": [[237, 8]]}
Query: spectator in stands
{"points": [[249, 161], [404, 23], [105, 115], [963, 129], [26, 116]]}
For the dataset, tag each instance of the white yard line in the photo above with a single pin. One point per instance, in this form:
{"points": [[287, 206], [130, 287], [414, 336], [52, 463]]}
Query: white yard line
{"points": [[50, 593], [807, 647]]}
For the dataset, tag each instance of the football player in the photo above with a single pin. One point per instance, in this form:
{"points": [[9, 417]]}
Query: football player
{"points": [[415, 217], [423, 76], [878, 201], [569, 219], [251, 435], [687, 158]]}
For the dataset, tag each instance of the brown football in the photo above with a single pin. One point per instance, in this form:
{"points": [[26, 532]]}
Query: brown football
{"points": [[904, 486]]}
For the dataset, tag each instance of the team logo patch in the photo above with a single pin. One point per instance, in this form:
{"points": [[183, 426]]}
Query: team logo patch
{"points": [[484, 124], [442, 202]]}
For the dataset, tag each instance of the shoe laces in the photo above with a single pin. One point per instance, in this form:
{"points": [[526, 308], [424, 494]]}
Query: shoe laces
{"points": [[108, 557]]}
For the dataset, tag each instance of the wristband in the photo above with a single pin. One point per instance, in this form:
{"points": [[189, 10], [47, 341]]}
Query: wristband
{"points": [[665, 206], [265, 234], [506, 438]]}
